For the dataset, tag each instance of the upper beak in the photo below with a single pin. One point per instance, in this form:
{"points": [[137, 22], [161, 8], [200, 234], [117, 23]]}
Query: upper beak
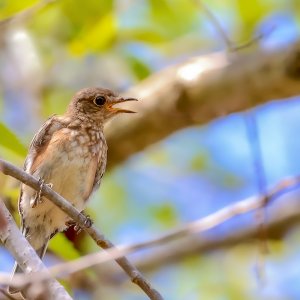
{"points": [[120, 110]]}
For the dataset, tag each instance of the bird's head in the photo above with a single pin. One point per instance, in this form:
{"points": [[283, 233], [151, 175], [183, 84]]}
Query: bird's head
{"points": [[97, 104]]}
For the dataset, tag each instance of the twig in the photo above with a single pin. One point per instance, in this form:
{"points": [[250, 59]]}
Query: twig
{"points": [[201, 225], [253, 137], [136, 277], [215, 22], [27, 258], [230, 46], [282, 218], [187, 230], [261, 183]]}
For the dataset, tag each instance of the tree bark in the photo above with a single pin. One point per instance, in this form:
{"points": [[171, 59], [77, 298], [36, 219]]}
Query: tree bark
{"points": [[199, 90], [27, 258]]}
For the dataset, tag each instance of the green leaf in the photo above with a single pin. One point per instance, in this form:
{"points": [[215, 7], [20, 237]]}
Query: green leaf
{"points": [[165, 214], [96, 37], [173, 18], [63, 247], [9, 8], [198, 162], [145, 35], [9, 140], [140, 69], [251, 12]]}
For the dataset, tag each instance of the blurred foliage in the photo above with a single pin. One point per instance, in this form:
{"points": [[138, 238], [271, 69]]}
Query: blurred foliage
{"points": [[198, 162], [63, 247], [10, 7], [116, 44], [10, 141], [165, 214]]}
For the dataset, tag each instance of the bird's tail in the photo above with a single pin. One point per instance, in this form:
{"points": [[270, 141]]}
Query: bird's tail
{"points": [[17, 269]]}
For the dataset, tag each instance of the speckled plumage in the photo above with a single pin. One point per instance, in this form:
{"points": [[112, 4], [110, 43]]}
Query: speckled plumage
{"points": [[71, 158], [69, 152]]}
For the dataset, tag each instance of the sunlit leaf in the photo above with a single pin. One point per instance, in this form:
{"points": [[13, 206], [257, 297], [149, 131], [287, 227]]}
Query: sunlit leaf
{"points": [[251, 12], [96, 37], [11, 7], [9, 140], [198, 162], [146, 35], [165, 214], [140, 69], [169, 16]]}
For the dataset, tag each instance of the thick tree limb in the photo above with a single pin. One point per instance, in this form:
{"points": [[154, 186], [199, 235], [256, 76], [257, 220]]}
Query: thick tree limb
{"points": [[26, 257], [200, 90], [136, 277]]}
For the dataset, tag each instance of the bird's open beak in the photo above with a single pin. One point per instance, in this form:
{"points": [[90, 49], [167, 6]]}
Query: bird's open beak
{"points": [[117, 109]]}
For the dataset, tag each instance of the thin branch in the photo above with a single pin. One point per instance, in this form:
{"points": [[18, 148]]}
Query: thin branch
{"points": [[136, 277], [255, 144], [230, 46], [26, 257], [261, 183], [186, 231], [281, 219], [216, 23]]}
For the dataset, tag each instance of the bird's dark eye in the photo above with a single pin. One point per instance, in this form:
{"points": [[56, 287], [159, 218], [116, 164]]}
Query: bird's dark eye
{"points": [[99, 100]]}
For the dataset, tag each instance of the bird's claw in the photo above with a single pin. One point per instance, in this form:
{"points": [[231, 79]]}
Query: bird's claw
{"points": [[77, 228], [88, 221], [38, 199]]}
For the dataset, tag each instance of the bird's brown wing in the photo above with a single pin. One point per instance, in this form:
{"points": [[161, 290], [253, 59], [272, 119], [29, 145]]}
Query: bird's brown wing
{"points": [[101, 165], [37, 146], [40, 142]]}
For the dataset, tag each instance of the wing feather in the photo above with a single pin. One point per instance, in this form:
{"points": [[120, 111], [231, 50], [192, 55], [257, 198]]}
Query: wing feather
{"points": [[37, 146]]}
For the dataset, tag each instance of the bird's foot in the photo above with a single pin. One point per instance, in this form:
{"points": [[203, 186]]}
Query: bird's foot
{"points": [[87, 224], [70, 223], [38, 199], [88, 221]]}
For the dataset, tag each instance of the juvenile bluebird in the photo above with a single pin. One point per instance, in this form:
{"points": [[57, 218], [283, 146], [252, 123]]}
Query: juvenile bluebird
{"points": [[69, 153]]}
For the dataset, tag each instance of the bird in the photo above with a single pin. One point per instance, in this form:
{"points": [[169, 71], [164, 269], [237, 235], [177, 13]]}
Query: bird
{"points": [[68, 153]]}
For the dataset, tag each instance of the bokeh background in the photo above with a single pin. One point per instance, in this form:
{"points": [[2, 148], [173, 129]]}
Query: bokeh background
{"points": [[50, 49]]}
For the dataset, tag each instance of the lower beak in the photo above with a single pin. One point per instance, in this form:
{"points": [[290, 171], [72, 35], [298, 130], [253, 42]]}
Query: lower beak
{"points": [[120, 110]]}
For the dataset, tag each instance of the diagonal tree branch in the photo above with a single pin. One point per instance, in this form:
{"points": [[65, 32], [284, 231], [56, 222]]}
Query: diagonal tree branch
{"points": [[200, 90], [280, 220], [26, 257], [136, 277], [173, 241]]}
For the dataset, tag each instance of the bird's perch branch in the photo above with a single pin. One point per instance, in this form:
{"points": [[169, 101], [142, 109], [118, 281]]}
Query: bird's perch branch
{"points": [[25, 255], [280, 216], [136, 277], [200, 90]]}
